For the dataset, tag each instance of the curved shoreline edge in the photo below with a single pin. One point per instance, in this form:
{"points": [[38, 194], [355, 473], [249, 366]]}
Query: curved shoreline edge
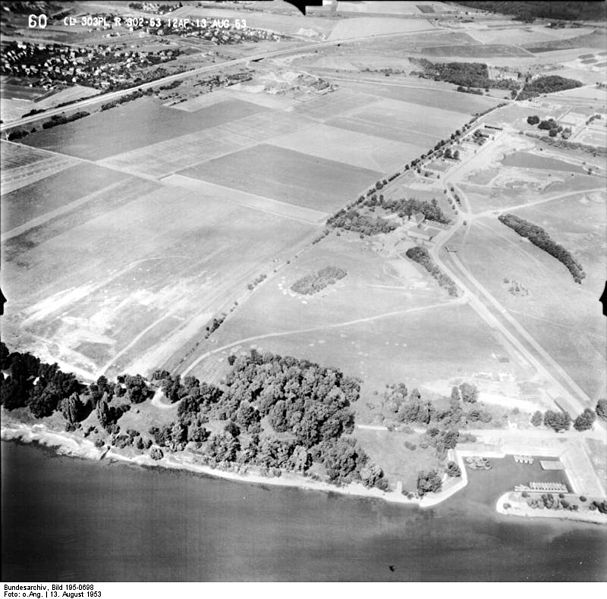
{"points": [[66, 444], [522, 510]]}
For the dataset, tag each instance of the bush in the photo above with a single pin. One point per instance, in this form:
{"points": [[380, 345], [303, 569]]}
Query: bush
{"points": [[428, 482], [453, 470], [537, 418], [156, 453]]}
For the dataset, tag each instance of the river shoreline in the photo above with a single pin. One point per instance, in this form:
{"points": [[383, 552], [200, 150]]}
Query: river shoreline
{"points": [[66, 444]]}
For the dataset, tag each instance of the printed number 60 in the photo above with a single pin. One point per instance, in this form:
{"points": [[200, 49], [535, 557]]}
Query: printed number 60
{"points": [[37, 21]]}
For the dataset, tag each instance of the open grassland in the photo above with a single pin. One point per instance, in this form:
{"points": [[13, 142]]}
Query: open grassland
{"points": [[512, 188], [399, 463], [172, 155], [334, 104], [55, 191], [428, 97], [475, 51], [386, 321], [397, 45], [356, 149], [593, 39], [564, 317], [287, 176], [368, 26], [130, 287], [525, 34], [235, 197], [541, 162], [418, 347], [290, 24], [140, 123], [403, 122]]}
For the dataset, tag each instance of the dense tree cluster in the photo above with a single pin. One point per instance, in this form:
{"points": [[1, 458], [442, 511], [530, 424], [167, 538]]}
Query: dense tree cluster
{"points": [[572, 11], [353, 220], [559, 421], [306, 406], [61, 119], [127, 98], [428, 482], [533, 119], [601, 409], [546, 85], [422, 256], [469, 392], [34, 384], [540, 238], [537, 419], [315, 282], [585, 420], [464, 74], [406, 208]]}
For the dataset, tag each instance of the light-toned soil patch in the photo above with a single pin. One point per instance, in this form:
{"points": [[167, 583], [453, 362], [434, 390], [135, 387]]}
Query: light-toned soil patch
{"points": [[334, 104], [101, 290], [357, 149]]}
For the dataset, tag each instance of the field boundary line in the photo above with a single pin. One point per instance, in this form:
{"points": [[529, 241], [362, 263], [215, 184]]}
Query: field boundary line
{"points": [[44, 218], [239, 198]]}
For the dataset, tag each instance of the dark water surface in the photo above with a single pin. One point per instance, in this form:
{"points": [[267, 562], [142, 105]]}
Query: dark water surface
{"points": [[71, 519]]}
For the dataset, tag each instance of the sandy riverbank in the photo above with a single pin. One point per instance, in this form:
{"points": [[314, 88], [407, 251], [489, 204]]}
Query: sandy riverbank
{"points": [[68, 444]]}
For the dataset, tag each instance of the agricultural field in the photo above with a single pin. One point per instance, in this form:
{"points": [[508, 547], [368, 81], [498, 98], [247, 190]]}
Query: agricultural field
{"points": [[443, 97], [286, 175], [54, 191], [176, 153], [401, 122], [171, 260], [357, 149], [147, 121]]}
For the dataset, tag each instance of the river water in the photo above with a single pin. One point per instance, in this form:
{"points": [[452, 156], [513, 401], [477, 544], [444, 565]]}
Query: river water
{"points": [[70, 519]]}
